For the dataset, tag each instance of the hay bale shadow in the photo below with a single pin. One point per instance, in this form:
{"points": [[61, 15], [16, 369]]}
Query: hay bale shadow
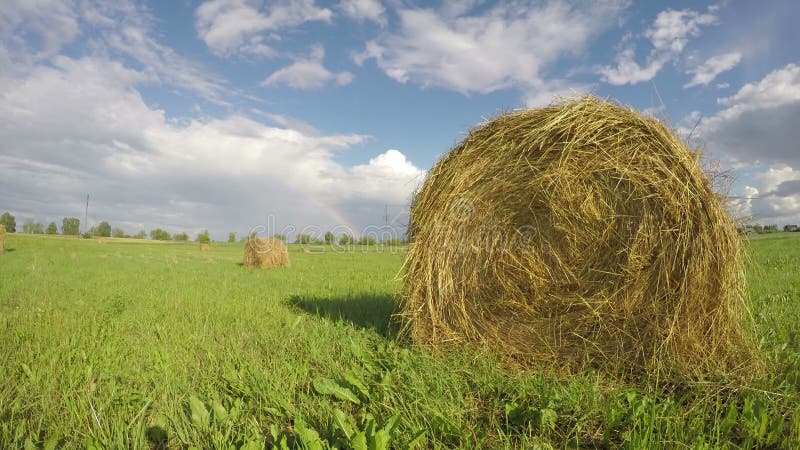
{"points": [[367, 311]]}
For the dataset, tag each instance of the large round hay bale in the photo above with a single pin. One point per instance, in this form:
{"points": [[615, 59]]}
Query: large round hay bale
{"points": [[204, 247], [578, 233], [266, 253], [2, 238]]}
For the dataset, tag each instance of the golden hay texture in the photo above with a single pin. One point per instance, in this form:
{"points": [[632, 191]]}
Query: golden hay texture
{"points": [[305, 250], [205, 247], [578, 233], [2, 238], [266, 253]]}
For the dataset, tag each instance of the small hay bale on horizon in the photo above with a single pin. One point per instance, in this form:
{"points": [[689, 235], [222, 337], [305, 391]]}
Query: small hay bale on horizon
{"points": [[2, 238], [204, 247], [266, 253], [305, 250], [581, 233]]}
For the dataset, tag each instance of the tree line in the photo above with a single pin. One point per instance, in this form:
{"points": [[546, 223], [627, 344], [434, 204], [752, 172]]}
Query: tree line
{"points": [[767, 229], [70, 226], [345, 239]]}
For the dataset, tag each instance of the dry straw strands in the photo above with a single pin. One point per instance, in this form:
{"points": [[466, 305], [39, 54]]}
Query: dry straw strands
{"points": [[2, 238], [266, 253], [579, 233], [204, 247]]}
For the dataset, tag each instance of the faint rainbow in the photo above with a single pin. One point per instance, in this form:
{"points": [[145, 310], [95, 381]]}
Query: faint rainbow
{"points": [[338, 216]]}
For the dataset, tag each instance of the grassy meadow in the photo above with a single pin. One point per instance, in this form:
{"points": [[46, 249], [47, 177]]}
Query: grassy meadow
{"points": [[136, 344]]}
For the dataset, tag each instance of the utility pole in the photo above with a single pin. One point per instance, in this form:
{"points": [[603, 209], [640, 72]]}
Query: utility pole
{"points": [[86, 216], [386, 214]]}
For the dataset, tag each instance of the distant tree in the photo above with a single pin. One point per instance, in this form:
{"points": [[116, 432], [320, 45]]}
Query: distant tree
{"points": [[758, 228], [31, 227], [159, 235], [140, 235], [231, 237], [393, 242], [103, 229], [303, 239], [346, 239], [86, 235], [52, 228], [71, 226], [8, 221], [280, 237], [790, 228], [367, 240], [181, 237], [773, 228], [118, 233], [330, 238], [204, 237]]}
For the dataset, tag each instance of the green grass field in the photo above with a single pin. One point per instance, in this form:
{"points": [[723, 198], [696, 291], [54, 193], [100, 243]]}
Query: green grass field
{"points": [[135, 344]]}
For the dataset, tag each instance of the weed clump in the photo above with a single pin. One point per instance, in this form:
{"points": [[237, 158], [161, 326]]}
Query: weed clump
{"points": [[581, 233]]}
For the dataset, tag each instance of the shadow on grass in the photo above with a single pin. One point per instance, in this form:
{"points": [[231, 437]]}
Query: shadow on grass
{"points": [[157, 438], [369, 311]]}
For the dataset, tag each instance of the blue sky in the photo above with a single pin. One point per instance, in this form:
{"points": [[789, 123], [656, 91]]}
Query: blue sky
{"points": [[234, 114]]}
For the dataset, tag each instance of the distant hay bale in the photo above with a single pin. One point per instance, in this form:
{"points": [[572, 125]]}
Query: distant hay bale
{"points": [[2, 238], [305, 250], [101, 241], [579, 232], [266, 253], [205, 247]]}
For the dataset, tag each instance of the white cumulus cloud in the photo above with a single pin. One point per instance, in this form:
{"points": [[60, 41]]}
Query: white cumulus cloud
{"points": [[778, 200], [711, 68], [55, 22], [759, 122], [668, 35], [757, 128], [742, 207], [81, 126], [363, 10], [775, 177], [241, 26], [31, 32], [469, 49], [308, 73]]}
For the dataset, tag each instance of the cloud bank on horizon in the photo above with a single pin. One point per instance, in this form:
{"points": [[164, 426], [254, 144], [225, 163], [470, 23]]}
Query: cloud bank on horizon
{"points": [[225, 114]]}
